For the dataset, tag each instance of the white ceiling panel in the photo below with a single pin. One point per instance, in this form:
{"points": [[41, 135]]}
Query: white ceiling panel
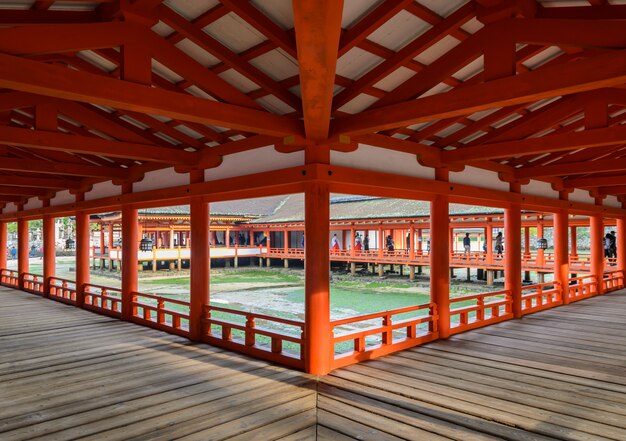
{"points": [[398, 31], [235, 33]]}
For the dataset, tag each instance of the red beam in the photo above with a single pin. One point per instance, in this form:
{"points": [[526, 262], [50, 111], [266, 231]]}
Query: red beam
{"points": [[543, 144], [55, 168], [318, 27], [51, 183], [410, 51], [95, 146], [594, 182], [605, 165], [602, 71], [29, 76]]}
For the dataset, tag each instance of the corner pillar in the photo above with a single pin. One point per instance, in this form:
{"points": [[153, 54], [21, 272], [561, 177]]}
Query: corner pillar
{"points": [[318, 349], [440, 261], [596, 236], [561, 257], [513, 261], [130, 256]]}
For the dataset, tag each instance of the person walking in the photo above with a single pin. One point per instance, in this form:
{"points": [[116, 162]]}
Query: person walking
{"points": [[467, 243]]}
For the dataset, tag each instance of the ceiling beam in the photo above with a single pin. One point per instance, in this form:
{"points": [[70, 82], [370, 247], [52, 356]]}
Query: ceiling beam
{"points": [[318, 28], [577, 168], [50, 183], [22, 191], [613, 190], [10, 17], [56, 168], [410, 51], [602, 181], [543, 144], [92, 145], [31, 76], [605, 70]]}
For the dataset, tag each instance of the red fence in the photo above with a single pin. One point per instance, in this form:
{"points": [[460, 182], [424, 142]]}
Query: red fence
{"points": [[387, 332], [281, 340], [613, 280], [103, 299], [9, 278], [480, 310], [541, 296], [33, 283], [582, 287], [168, 315], [63, 290]]}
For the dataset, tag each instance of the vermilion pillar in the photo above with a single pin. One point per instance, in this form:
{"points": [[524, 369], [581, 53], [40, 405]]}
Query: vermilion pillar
{"points": [[82, 255], [200, 269], [489, 241], [561, 257], [49, 252], [22, 249], [318, 349], [130, 255], [540, 251], [596, 236], [573, 241], [440, 262], [526, 241], [513, 254], [621, 244], [3, 245]]}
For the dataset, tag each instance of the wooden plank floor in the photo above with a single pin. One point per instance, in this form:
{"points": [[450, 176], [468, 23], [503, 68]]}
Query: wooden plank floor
{"points": [[68, 374], [558, 374], [71, 374]]}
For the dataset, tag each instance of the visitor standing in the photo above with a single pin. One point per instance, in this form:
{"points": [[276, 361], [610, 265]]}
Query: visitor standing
{"points": [[467, 244], [334, 243], [613, 245], [366, 242], [357, 242], [389, 243], [499, 241]]}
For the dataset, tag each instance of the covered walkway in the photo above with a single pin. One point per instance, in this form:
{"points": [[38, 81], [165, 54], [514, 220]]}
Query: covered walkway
{"points": [[556, 374]]}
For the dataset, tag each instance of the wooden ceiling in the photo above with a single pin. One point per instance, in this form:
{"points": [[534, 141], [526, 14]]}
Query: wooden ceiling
{"points": [[92, 91]]}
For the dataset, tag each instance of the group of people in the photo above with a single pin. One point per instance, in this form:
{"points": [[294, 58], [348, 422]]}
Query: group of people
{"points": [[361, 243]]}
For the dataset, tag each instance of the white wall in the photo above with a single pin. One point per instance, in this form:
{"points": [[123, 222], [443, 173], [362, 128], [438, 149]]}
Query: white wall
{"points": [[479, 178], [538, 188], [103, 190], [368, 157], [254, 161]]}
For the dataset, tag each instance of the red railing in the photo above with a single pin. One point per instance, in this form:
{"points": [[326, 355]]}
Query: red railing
{"points": [[219, 332], [9, 278], [541, 296], [62, 290], [613, 280], [582, 287], [155, 311], [484, 309], [385, 334], [33, 283], [103, 299]]}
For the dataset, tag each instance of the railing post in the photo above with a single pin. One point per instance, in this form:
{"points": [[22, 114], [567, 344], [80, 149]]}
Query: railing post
{"points": [[22, 250], [596, 236], [561, 254], [82, 255], [250, 337], [199, 259], [317, 330], [3, 244], [513, 253], [49, 253], [130, 234], [440, 257]]}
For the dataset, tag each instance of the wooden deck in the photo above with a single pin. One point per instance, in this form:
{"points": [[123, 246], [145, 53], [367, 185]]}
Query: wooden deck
{"points": [[557, 374], [67, 374]]}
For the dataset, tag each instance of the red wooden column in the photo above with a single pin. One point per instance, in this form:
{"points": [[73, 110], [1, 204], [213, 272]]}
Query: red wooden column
{"points": [[130, 256], [412, 242], [489, 240], [3, 245], [513, 256], [573, 241], [440, 257], [200, 265], [561, 254], [621, 244], [22, 250], [540, 251], [82, 254], [318, 349], [49, 253], [596, 237], [526, 242]]}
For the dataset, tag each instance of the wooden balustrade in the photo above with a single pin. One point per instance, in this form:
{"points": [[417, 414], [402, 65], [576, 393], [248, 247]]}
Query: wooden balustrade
{"points": [[281, 346], [582, 287], [156, 312], [62, 290], [541, 296], [613, 280], [388, 335], [483, 309], [33, 283], [9, 278], [103, 299]]}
